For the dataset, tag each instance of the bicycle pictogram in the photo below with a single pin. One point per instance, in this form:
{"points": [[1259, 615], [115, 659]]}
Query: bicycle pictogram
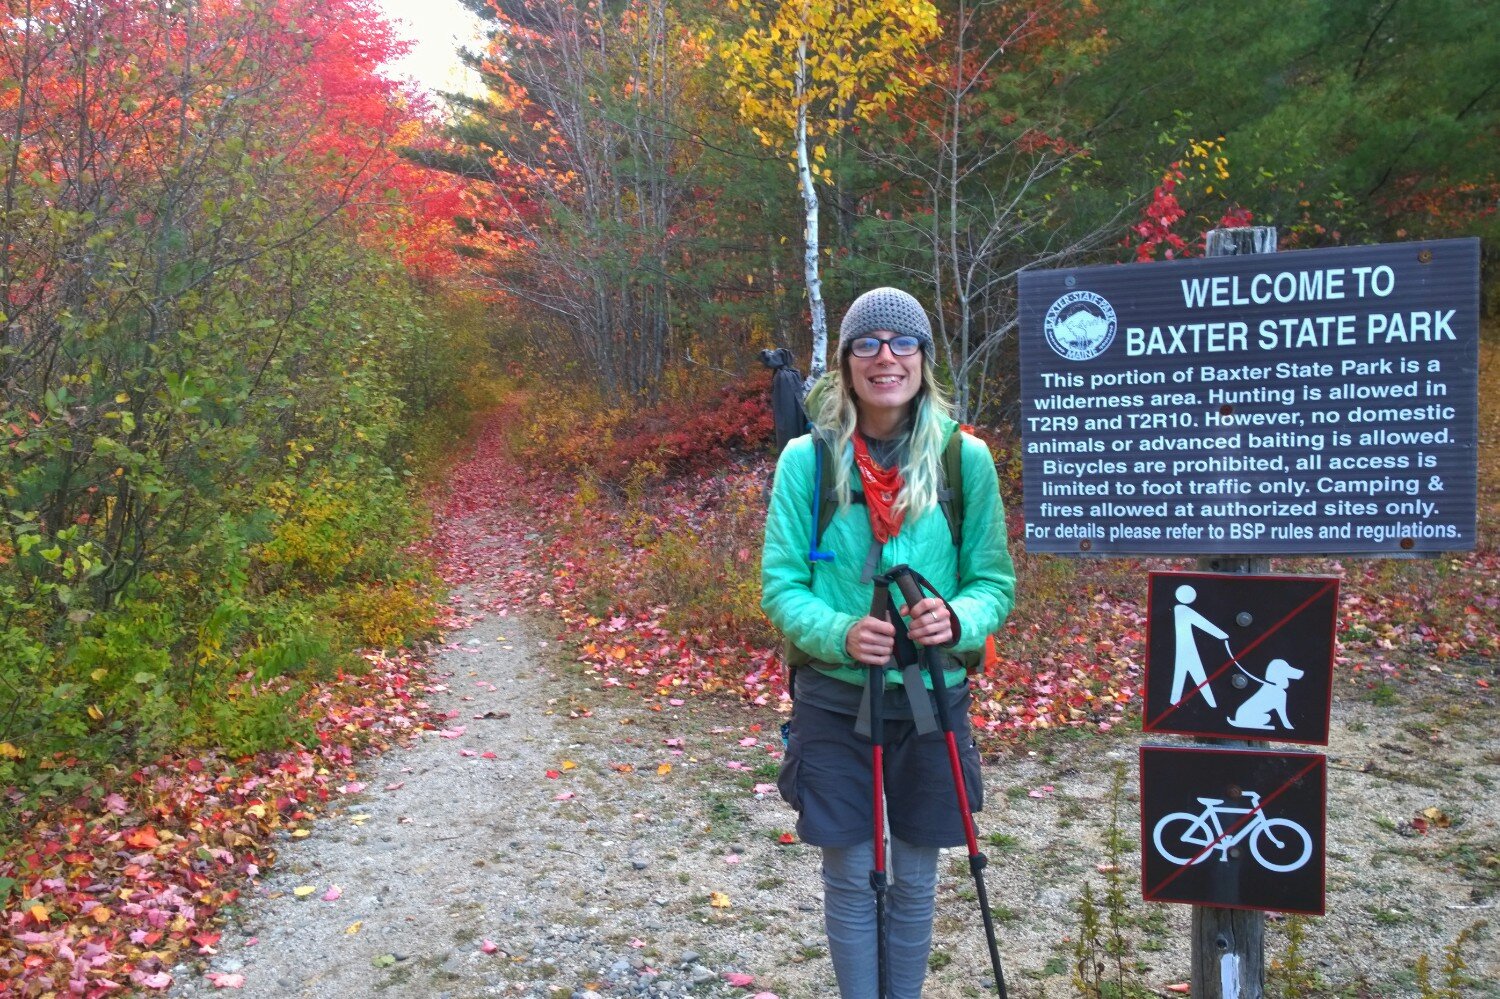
{"points": [[1276, 844]]}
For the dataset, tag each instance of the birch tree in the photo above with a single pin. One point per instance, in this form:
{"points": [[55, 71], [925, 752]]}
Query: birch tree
{"points": [[806, 69]]}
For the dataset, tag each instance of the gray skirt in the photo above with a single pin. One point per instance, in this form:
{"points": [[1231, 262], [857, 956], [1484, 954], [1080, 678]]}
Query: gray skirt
{"points": [[826, 776]]}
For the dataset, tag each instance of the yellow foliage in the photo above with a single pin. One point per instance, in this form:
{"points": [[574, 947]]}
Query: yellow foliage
{"points": [[384, 616], [859, 52]]}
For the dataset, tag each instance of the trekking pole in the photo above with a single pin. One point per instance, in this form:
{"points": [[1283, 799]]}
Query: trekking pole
{"points": [[875, 685], [905, 578]]}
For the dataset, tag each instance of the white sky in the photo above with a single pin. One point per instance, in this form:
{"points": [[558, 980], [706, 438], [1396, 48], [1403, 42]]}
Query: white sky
{"points": [[439, 28]]}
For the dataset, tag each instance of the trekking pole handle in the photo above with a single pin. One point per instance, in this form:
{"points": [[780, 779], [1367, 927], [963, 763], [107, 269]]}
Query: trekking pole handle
{"points": [[910, 591]]}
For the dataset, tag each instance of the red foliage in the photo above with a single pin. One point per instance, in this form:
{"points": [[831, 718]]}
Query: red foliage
{"points": [[111, 889], [699, 434], [116, 96]]}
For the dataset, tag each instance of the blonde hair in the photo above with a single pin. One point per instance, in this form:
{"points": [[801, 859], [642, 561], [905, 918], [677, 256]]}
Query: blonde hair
{"points": [[831, 407]]}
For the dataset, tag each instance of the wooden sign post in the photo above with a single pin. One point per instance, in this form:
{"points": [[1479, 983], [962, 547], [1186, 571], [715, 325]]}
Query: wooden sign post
{"points": [[1229, 945]]}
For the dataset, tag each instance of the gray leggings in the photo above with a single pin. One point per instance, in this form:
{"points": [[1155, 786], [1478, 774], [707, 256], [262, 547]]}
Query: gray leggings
{"points": [[849, 916]]}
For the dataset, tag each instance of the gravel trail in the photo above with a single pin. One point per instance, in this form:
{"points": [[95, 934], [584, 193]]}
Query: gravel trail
{"points": [[461, 874], [563, 840]]}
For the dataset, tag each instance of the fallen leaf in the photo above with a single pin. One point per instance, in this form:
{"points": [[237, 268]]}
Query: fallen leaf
{"points": [[302, 891], [569, 765], [786, 839], [301, 833], [553, 774], [1437, 817], [738, 980], [354, 927], [663, 769], [144, 838], [488, 754], [224, 980], [1183, 987], [333, 894], [565, 796], [489, 946], [383, 960], [396, 786], [718, 900], [160, 980]]}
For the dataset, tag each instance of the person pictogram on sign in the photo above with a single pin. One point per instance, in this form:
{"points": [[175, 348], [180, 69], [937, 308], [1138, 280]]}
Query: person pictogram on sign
{"points": [[1270, 698], [1186, 661]]}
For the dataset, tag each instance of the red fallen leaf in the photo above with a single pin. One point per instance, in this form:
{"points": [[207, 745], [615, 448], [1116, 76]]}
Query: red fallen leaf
{"points": [[738, 980], [143, 838], [1183, 987], [786, 839], [205, 939], [554, 774], [488, 755]]}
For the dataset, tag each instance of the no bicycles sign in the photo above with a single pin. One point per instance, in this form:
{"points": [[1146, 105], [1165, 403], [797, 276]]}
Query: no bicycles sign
{"points": [[1236, 828]]}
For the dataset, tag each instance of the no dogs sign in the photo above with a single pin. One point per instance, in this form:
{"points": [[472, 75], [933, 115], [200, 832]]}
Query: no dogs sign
{"points": [[1241, 657]]}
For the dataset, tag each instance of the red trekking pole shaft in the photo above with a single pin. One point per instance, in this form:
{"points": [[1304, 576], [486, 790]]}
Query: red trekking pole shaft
{"points": [[878, 880], [902, 576]]}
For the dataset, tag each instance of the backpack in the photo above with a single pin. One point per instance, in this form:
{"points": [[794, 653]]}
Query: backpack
{"points": [[826, 504], [788, 419]]}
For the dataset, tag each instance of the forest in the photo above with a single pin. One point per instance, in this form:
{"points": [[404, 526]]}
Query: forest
{"points": [[256, 297]]}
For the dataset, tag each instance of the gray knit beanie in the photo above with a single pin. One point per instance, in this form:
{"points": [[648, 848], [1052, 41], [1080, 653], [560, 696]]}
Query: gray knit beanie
{"points": [[887, 309]]}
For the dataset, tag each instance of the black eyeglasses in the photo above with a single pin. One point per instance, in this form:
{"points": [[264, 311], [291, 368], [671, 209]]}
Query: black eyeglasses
{"points": [[869, 346]]}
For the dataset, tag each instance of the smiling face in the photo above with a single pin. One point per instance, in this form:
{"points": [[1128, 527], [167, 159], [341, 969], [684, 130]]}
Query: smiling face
{"points": [[884, 385]]}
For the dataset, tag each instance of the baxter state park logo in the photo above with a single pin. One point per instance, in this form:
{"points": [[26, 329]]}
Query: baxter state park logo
{"points": [[1080, 326]]}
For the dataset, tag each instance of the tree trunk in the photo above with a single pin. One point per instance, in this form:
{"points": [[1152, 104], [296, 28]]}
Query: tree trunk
{"points": [[819, 362]]}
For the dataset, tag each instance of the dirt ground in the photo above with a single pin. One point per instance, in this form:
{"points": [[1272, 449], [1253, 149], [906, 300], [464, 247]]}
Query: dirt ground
{"points": [[564, 840]]}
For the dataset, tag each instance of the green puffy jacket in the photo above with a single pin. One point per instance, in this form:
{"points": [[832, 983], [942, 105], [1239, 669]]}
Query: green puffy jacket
{"points": [[815, 605]]}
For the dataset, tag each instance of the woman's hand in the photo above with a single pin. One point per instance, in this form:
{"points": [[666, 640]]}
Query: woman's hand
{"points": [[931, 624], [871, 641]]}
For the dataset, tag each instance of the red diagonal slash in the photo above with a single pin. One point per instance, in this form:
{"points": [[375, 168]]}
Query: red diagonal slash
{"points": [[1330, 584], [1151, 896]]}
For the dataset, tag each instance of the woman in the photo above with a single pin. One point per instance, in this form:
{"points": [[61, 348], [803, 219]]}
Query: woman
{"points": [[886, 422]]}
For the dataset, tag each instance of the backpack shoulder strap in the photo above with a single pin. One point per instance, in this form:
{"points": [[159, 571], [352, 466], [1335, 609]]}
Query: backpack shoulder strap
{"points": [[951, 497], [827, 500]]}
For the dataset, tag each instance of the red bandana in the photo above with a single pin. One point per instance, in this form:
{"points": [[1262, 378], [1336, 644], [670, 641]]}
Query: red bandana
{"points": [[881, 488]]}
